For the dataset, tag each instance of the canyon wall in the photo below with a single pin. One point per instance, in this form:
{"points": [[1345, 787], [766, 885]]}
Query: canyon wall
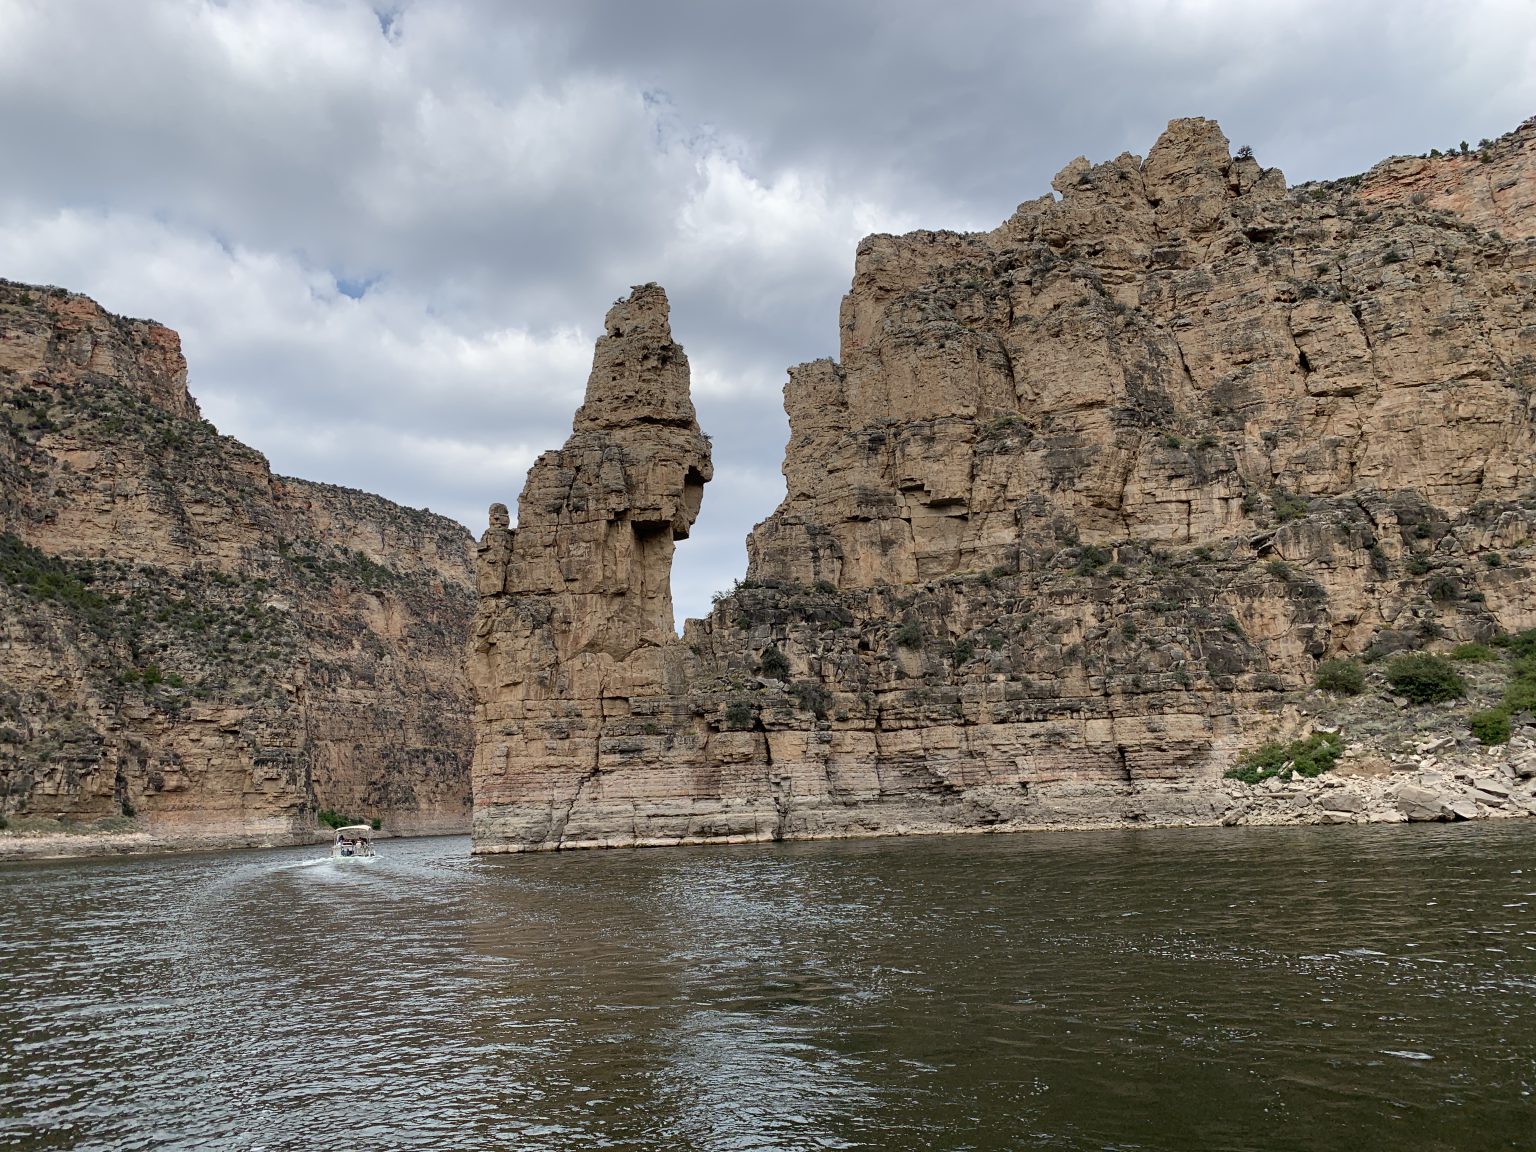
{"points": [[1070, 523], [193, 647]]}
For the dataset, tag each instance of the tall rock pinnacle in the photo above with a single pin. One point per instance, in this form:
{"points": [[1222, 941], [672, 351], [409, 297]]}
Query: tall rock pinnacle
{"points": [[576, 602]]}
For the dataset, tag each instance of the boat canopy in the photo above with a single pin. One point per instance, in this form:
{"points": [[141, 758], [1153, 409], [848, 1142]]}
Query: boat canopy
{"points": [[356, 832]]}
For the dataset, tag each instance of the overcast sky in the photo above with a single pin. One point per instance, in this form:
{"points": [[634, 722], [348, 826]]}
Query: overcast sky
{"points": [[387, 232]]}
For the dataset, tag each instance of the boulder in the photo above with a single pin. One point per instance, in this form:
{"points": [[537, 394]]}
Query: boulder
{"points": [[1421, 804], [1342, 801]]}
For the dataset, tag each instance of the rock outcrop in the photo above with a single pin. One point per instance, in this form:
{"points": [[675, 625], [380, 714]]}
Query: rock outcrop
{"points": [[1069, 525], [575, 642], [196, 650]]}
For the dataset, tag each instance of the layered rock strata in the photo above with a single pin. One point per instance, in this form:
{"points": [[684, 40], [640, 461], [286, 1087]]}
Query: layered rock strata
{"points": [[1069, 524], [575, 658], [192, 649]]}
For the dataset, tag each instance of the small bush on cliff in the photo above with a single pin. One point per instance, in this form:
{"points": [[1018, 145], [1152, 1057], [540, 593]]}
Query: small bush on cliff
{"points": [[1091, 559], [1519, 644], [909, 635], [738, 715], [773, 664], [1425, 679], [1473, 653], [1344, 677], [813, 697], [1520, 692], [1310, 756], [1287, 506], [1491, 727]]}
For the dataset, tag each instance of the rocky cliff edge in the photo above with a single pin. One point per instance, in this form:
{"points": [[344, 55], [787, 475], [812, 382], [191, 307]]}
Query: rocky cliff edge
{"points": [[1069, 526]]}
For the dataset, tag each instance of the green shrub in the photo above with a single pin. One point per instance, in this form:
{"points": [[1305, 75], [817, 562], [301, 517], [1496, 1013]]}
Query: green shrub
{"points": [[1425, 679], [1473, 653], [773, 664], [738, 714], [1491, 727], [813, 697], [376, 824], [1443, 588], [1091, 559], [964, 650], [1520, 695], [1342, 676], [1287, 506], [1310, 756], [1279, 569], [1519, 644], [909, 635]]}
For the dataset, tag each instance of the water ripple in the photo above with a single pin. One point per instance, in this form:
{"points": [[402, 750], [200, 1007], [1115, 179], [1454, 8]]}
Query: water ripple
{"points": [[1242, 989]]}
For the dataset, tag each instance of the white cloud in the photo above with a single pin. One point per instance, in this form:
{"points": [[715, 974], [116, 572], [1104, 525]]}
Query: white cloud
{"points": [[488, 177]]}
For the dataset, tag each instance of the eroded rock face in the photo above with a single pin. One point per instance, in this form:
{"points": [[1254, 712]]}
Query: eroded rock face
{"points": [[186, 637], [575, 654], [1082, 504]]}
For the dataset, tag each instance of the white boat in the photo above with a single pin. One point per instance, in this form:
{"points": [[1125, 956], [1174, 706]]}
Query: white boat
{"points": [[353, 842]]}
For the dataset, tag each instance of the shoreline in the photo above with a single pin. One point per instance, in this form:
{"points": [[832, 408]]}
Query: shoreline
{"points": [[86, 843], [1469, 785], [1443, 782]]}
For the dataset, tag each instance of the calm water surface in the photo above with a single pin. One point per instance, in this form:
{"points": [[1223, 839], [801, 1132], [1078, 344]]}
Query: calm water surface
{"points": [[1180, 989]]}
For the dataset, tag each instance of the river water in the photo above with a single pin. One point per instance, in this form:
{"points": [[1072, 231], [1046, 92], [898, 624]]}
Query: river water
{"points": [[1296, 988]]}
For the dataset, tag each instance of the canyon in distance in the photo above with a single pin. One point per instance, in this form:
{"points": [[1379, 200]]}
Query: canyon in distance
{"points": [[1070, 528]]}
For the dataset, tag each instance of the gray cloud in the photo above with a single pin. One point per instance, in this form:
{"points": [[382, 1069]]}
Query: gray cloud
{"points": [[486, 178]]}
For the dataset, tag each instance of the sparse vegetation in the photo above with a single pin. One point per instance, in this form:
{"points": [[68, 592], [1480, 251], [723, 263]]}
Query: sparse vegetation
{"points": [[1309, 756], [1343, 677], [1090, 559], [39, 576], [1287, 506], [909, 635], [773, 664], [812, 696], [1491, 726], [1425, 679], [1473, 653]]}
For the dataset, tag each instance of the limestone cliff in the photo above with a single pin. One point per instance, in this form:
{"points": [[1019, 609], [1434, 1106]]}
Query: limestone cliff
{"points": [[1071, 522], [217, 651], [575, 637]]}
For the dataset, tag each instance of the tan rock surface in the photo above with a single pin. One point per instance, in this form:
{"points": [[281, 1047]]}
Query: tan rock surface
{"points": [[185, 636], [1070, 524]]}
